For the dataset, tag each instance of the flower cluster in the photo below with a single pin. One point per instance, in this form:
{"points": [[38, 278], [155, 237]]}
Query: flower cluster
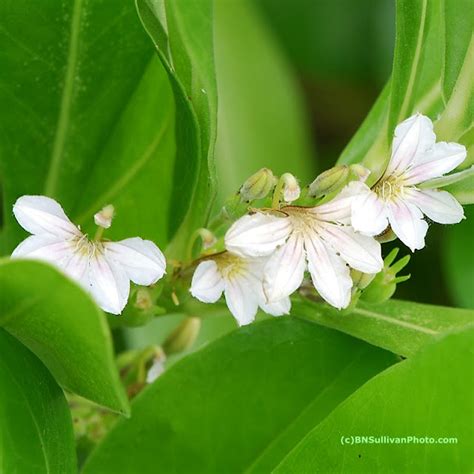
{"points": [[269, 250], [331, 230]]}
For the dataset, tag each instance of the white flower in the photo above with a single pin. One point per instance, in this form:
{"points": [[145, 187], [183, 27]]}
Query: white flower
{"points": [[318, 239], [395, 199], [102, 268], [240, 279]]}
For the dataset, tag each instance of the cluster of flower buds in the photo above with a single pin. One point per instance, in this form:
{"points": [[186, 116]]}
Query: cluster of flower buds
{"points": [[331, 229]]}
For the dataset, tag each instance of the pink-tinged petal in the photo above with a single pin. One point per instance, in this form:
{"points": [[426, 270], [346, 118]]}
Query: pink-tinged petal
{"points": [[108, 284], [329, 273], [284, 271], [441, 159], [42, 215], [47, 248], [142, 260], [278, 308], [369, 214], [407, 223], [257, 235], [439, 206], [339, 209], [413, 138], [77, 268], [207, 284], [361, 252], [241, 300]]}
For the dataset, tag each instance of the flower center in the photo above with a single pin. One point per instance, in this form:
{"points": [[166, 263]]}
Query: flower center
{"points": [[230, 265], [303, 220], [389, 189], [83, 246]]}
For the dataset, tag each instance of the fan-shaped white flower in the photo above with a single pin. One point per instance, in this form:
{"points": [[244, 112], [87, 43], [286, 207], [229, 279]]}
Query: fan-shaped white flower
{"points": [[102, 268], [395, 198], [319, 239], [240, 279]]}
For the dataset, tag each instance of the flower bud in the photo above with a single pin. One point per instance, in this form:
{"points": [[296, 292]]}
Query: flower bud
{"points": [[291, 188], [258, 185], [208, 238], [329, 181], [360, 172], [384, 284], [361, 280], [104, 217], [183, 337]]}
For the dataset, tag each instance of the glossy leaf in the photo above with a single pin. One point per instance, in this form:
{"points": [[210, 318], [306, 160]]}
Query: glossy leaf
{"points": [[441, 378], [261, 117], [432, 60], [59, 323], [239, 404], [86, 115], [458, 262], [182, 32], [402, 327], [35, 423]]}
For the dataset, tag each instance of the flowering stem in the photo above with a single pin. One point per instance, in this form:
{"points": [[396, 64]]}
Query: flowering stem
{"points": [[98, 234]]}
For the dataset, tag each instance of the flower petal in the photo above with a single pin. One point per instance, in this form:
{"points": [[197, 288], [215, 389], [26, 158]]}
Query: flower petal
{"points": [[412, 139], [339, 208], [361, 252], [278, 308], [42, 215], [439, 206], [108, 284], [369, 215], [443, 158], [142, 260], [284, 270], [257, 235], [407, 223], [207, 284], [329, 273], [241, 300], [45, 247]]}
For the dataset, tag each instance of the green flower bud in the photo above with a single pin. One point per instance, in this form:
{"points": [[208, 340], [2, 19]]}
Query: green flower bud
{"points": [[291, 188], [361, 280], [330, 181], [258, 186], [384, 284], [183, 337]]}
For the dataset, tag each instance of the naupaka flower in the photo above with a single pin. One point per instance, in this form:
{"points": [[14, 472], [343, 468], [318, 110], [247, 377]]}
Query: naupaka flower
{"points": [[102, 268], [397, 200], [319, 239], [240, 279]]}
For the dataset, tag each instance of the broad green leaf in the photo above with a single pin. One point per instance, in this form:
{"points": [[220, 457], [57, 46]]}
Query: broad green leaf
{"points": [[458, 261], [430, 395], [463, 190], [402, 327], [35, 424], [59, 323], [241, 403], [261, 118], [182, 32], [432, 74], [86, 115]]}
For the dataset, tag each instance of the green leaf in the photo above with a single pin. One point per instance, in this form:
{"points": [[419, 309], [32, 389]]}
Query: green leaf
{"points": [[441, 379], [182, 32], [59, 323], [241, 403], [458, 259], [399, 326], [35, 423], [432, 74], [86, 115], [261, 118]]}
